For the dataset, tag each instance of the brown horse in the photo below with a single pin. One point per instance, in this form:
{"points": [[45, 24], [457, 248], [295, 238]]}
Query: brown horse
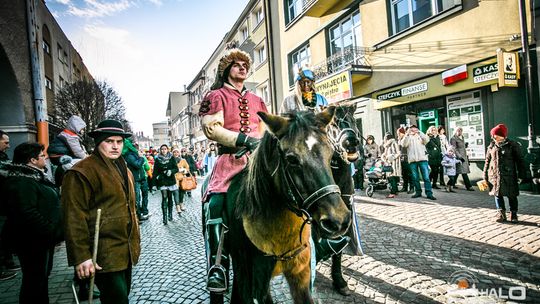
{"points": [[286, 186]]}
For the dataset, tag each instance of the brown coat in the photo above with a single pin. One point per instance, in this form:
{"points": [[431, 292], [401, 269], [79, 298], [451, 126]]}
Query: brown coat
{"points": [[95, 183], [504, 164]]}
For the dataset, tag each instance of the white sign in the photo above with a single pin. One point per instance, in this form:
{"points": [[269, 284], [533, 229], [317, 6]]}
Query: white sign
{"points": [[465, 111]]}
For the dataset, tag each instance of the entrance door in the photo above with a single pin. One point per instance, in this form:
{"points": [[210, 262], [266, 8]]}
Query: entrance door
{"points": [[427, 119]]}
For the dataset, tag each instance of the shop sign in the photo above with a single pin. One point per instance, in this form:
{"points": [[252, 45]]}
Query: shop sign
{"points": [[427, 114], [411, 91], [335, 88], [485, 73], [509, 73]]}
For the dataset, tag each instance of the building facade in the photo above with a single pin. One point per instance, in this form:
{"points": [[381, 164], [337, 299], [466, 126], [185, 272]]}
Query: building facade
{"points": [[404, 62], [177, 115], [161, 134], [57, 63]]}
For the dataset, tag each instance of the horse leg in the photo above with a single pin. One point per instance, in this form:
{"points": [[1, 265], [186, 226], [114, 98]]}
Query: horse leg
{"points": [[340, 285], [299, 284]]}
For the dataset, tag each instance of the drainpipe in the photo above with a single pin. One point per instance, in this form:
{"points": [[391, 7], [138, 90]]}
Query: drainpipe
{"points": [[40, 106], [270, 48]]}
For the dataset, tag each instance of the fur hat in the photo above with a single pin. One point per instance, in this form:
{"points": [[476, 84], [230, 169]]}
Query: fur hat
{"points": [[225, 64], [500, 130]]}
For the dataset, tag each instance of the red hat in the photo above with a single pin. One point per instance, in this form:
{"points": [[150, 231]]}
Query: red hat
{"points": [[500, 130]]}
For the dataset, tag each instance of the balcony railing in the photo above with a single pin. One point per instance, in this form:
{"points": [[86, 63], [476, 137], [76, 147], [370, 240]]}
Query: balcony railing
{"points": [[350, 58]]}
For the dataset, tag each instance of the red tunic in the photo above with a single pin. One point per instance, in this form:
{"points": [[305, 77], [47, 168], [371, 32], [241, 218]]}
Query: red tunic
{"points": [[236, 107]]}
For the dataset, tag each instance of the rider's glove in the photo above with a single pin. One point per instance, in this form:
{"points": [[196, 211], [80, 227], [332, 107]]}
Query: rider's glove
{"points": [[247, 141]]}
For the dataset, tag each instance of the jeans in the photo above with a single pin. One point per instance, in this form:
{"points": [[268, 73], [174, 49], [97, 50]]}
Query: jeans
{"points": [[114, 286], [452, 180], [424, 170], [512, 201], [142, 202], [393, 180]]}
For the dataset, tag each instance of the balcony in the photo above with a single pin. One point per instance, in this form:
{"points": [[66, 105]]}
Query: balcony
{"points": [[353, 59], [319, 8]]}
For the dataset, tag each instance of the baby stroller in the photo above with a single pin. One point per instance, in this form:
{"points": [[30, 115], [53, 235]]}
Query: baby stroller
{"points": [[377, 179]]}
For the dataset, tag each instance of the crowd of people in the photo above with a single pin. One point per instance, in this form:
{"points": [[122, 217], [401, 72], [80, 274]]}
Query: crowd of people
{"points": [[117, 177]]}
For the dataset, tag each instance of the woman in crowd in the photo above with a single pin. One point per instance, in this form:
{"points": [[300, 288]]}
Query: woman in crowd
{"points": [[164, 170], [433, 148], [371, 153], [458, 142], [183, 168], [34, 219], [391, 157], [444, 148], [210, 158], [504, 165]]}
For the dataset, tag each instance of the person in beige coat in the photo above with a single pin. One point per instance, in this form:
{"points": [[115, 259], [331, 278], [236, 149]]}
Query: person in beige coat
{"points": [[415, 142], [391, 157]]}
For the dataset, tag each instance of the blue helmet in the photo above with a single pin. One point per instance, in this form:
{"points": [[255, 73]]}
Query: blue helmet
{"points": [[305, 73]]}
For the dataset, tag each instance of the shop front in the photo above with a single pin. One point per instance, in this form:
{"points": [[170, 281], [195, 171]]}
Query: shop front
{"points": [[472, 100]]}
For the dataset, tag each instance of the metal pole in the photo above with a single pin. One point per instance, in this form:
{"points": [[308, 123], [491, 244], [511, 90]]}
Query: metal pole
{"points": [[533, 147], [94, 257]]}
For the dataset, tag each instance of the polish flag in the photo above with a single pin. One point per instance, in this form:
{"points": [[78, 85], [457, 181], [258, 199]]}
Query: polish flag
{"points": [[454, 75]]}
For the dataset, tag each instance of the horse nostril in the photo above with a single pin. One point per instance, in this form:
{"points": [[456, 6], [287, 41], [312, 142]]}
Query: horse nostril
{"points": [[330, 225]]}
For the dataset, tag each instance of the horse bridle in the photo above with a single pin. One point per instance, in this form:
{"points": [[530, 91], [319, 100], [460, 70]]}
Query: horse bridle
{"points": [[296, 202], [335, 137]]}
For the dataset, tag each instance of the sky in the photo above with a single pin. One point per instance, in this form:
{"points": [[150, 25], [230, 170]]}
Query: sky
{"points": [[145, 48]]}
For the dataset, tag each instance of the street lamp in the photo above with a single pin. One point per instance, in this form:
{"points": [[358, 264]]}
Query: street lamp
{"points": [[534, 150]]}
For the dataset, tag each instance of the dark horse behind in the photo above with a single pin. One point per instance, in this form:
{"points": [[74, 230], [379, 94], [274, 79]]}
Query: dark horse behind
{"points": [[286, 186], [345, 137]]}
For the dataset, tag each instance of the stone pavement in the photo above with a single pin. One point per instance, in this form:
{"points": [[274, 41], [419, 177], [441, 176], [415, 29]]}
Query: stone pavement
{"points": [[413, 249]]}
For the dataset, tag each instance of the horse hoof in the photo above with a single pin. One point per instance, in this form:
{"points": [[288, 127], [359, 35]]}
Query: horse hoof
{"points": [[344, 291]]}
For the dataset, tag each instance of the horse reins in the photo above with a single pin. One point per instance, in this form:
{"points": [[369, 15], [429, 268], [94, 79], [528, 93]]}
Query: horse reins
{"points": [[335, 139], [297, 204]]}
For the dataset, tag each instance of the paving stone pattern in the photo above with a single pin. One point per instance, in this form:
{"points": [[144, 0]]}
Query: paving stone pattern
{"points": [[412, 248]]}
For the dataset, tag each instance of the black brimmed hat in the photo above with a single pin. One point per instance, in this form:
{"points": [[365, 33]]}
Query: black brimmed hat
{"points": [[107, 128]]}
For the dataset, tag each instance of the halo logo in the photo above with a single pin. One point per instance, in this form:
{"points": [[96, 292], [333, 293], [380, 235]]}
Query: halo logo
{"points": [[465, 284]]}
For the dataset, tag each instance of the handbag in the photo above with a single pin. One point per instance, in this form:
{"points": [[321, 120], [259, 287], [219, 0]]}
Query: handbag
{"points": [[188, 183]]}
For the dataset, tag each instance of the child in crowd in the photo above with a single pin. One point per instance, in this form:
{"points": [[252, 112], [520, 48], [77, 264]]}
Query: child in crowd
{"points": [[449, 163]]}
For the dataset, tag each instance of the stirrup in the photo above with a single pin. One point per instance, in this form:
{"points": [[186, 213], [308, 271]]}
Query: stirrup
{"points": [[217, 268]]}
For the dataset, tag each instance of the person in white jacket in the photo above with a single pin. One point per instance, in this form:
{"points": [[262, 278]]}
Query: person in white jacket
{"points": [[415, 141]]}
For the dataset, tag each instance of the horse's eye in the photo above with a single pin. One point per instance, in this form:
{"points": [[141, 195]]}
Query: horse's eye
{"points": [[292, 159]]}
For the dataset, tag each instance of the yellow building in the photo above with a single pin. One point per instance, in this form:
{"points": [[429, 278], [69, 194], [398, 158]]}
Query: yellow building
{"points": [[404, 62]]}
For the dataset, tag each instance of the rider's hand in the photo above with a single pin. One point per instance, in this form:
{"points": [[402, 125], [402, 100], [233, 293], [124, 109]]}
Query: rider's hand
{"points": [[168, 172], [249, 142], [86, 269]]}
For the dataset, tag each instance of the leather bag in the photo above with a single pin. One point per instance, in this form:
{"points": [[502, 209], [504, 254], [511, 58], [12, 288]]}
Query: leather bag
{"points": [[188, 183]]}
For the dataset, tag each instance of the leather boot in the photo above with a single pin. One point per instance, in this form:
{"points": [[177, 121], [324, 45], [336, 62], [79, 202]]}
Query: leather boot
{"points": [[169, 208], [217, 272], [164, 211], [326, 248]]}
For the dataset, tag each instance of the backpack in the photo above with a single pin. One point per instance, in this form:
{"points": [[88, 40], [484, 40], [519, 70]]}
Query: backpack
{"points": [[58, 148]]}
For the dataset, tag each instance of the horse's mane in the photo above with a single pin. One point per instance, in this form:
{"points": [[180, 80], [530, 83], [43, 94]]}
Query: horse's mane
{"points": [[258, 196]]}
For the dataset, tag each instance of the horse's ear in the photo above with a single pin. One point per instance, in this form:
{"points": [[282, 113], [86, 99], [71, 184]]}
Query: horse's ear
{"points": [[326, 116], [276, 124]]}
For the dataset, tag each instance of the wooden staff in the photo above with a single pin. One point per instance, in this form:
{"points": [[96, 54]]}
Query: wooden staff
{"points": [[94, 258]]}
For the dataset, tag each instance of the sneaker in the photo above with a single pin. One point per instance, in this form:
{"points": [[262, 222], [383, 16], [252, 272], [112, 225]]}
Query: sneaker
{"points": [[501, 216], [390, 196], [411, 191], [416, 195], [513, 217], [431, 197], [6, 275]]}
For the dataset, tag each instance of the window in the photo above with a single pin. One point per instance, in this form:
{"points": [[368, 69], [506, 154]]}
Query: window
{"points": [[61, 82], [294, 8], [345, 37], [258, 16], [244, 33], [48, 83], [260, 54], [407, 13], [46, 47], [262, 91], [298, 59]]}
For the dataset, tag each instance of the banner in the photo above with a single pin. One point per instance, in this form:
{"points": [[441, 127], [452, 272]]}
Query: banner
{"points": [[335, 88]]}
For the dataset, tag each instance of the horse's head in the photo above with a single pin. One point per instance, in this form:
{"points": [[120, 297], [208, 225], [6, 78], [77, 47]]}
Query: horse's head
{"points": [[344, 133], [301, 169]]}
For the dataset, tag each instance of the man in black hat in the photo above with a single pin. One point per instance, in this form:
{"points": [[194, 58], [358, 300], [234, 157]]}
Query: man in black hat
{"points": [[103, 181]]}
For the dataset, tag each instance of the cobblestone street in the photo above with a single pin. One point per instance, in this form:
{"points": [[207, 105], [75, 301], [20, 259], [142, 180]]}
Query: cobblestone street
{"points": [[412, 249]]}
